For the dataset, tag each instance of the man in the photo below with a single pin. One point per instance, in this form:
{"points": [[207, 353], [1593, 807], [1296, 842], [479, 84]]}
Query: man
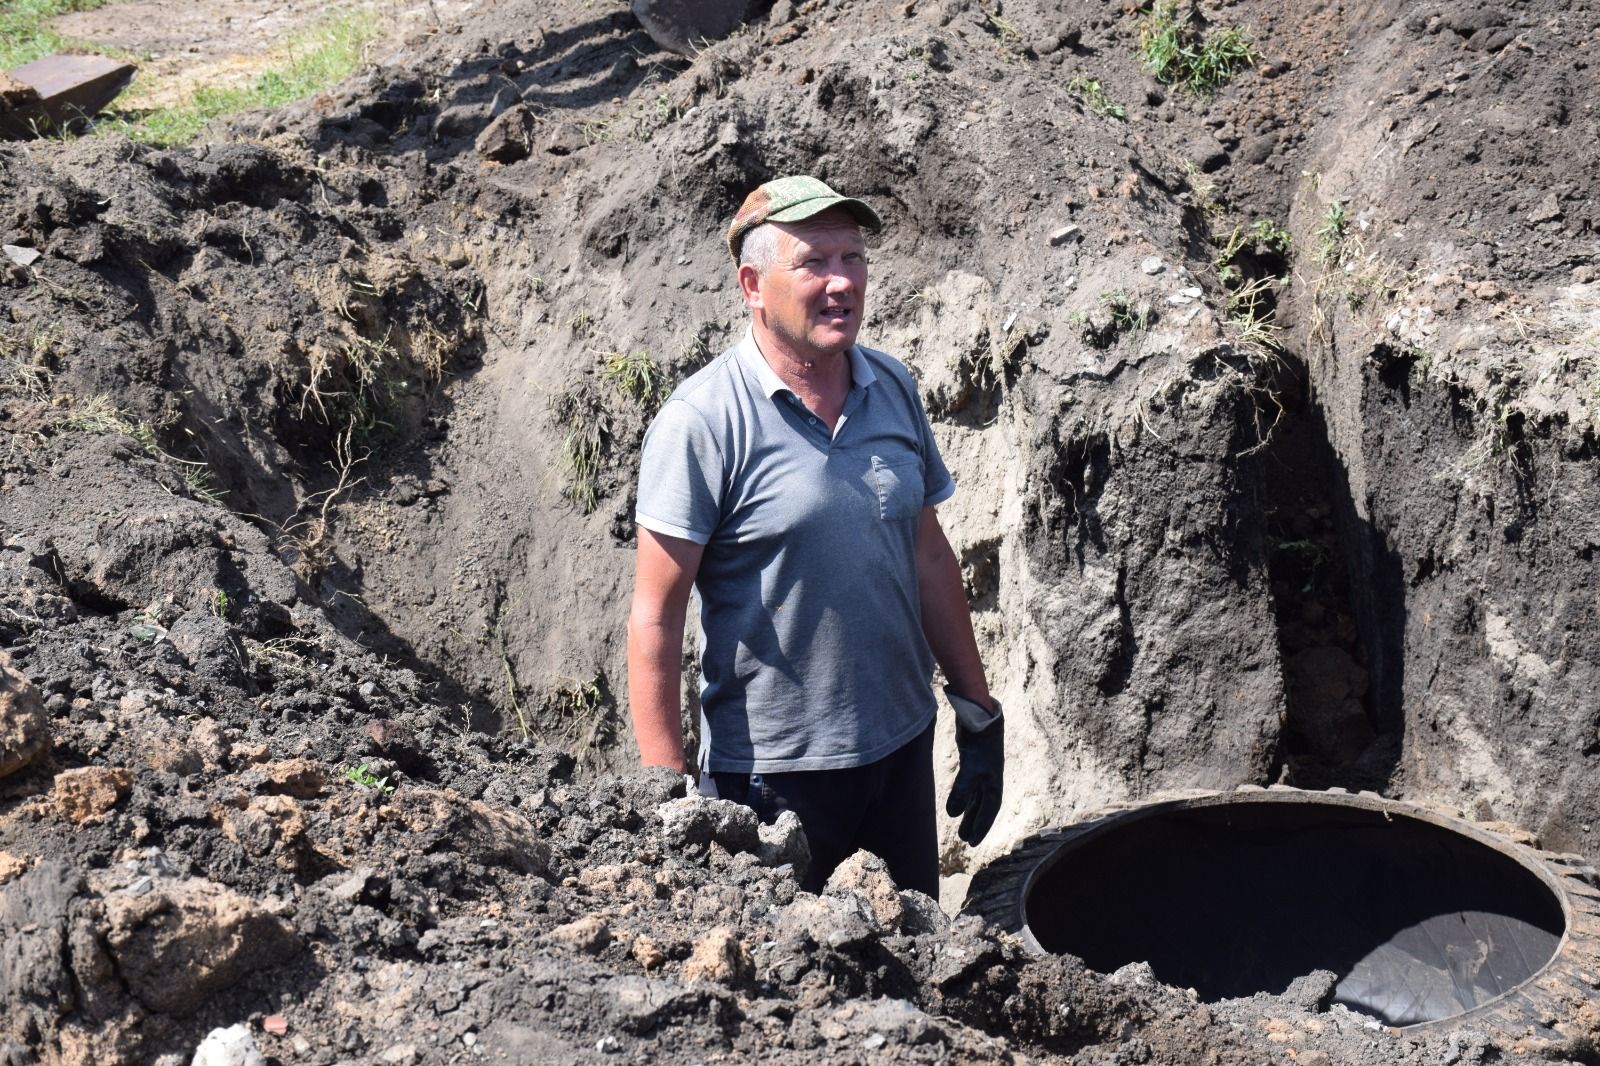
{"points": [[792, 482]]}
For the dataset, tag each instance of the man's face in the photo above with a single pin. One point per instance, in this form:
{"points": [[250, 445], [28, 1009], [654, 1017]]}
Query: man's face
{"points": [[813, 296]]}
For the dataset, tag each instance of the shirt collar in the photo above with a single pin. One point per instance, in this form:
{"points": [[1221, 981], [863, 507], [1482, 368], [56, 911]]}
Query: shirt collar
{"points": [[861, 374]]}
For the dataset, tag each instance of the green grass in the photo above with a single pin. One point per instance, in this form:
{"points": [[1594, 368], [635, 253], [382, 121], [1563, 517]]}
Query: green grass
{"points": [[365, 778], [1271, 236], [321, 55], [1126, 315], [637, 375], [24, 36], [582, 414], [1094, 96], [1265, 235], [1331, 234], [1172, 48]]}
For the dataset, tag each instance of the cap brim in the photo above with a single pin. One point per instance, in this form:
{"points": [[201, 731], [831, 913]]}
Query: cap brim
{"points": [[865, 216]]}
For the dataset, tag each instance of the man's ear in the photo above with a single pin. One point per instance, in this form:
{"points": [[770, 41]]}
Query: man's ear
{"points": [[750, 286]]}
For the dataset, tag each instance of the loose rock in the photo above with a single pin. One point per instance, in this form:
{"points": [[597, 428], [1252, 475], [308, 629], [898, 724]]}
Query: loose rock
{"points": [[588, 934], [233, 1046], [85, 794], [784, 843], [719, 957], [866, 875], [180, 944], [24, 725]]}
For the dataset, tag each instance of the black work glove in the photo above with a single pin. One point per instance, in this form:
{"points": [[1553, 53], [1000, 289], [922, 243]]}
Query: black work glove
{"points": [[980, 781]]}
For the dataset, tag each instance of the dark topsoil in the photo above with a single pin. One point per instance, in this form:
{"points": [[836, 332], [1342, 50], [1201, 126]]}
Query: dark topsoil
{"points": [[316, 517]]}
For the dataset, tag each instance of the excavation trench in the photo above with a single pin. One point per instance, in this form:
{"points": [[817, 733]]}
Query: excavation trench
{"points": [[1420, 919]]}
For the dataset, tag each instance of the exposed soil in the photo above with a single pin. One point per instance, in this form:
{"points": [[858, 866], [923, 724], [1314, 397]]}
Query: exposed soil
{"points": [[318, 721]]}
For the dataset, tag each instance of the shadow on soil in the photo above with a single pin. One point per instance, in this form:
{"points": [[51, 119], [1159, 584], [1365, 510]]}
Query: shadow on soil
{"points": [[1339, 596]]}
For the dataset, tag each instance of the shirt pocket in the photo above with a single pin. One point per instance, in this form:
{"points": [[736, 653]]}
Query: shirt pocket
{"points": [[899, 488]]}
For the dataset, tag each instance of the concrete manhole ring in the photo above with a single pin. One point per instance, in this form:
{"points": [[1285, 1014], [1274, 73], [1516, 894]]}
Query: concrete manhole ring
{"points": [[1429, 921]]}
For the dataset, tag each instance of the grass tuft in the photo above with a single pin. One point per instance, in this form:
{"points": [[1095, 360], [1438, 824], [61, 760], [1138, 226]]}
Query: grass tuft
{"points": [[1094, 97], [1331, 234], [582, 413], [1127, 315], [637, 375], [1173, 49], [582, 718]]}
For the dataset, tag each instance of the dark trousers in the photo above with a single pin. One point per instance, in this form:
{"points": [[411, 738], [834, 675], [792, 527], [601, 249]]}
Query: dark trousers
{"points": [[885, 807]]}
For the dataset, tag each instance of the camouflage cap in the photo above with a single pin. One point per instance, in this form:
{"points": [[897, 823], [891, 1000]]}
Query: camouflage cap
{"points": [[793, 199]]}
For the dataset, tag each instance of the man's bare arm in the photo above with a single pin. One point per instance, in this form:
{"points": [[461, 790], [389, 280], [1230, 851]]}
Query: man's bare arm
{"points": [[946, 618], [664, 575]]}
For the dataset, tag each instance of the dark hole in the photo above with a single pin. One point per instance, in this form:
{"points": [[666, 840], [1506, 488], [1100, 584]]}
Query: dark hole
{"points": [[1418, 922]]}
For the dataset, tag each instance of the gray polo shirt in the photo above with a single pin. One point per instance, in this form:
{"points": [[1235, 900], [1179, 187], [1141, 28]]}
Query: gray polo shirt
{"points": [[810, 617]]}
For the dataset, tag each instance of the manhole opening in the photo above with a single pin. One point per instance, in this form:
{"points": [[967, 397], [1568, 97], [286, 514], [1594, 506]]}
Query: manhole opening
{"points": [[1419, 923]]}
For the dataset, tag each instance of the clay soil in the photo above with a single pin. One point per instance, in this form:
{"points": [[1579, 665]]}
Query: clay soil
{"points": [[316, 461]]}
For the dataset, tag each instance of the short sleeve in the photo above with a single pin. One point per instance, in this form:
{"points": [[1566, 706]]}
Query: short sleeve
{"points": [[937, 484], [681, 475]]}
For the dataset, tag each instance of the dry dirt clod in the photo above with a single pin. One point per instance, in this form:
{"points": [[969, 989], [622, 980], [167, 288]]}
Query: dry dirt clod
{"points": [[719, 957], [269, 825], [589, 934], [24, 725], [300, 778], [395, 742], [866, 875], [784, 843], [233, 1046], [11, 866], [86, 794], [184, 941], [647, 953], [696, 820]]}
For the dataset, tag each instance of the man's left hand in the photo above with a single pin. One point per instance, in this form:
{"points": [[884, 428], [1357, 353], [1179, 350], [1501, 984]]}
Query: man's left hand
{"points": [[980, 780]]}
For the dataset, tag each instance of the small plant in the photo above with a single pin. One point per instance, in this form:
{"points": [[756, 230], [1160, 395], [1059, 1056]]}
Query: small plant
{"points": [[597, 130], [307, 542], [1251, 311], [1227, 272], [1331, 234], [1271, 236], [1127, 316], [637, 375], [1302, 557], [584, 446], [1421, 358], [653, 115], [1173, 49], [26, 367], [1006, 30], [696, 354], [365, 778], [582, 717], [219, 603], [98, 414], [511, 679], [1094, 97], [1264, 236]]}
